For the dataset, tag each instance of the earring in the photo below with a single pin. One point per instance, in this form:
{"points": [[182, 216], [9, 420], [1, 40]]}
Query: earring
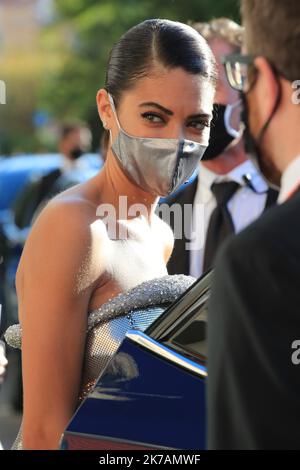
{"points": [[105, 125]]}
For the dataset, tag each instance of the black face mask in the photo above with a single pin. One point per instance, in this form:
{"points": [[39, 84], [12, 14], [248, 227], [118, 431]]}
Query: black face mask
{"points": [[220, 136], [76, 152], [252, 145]]}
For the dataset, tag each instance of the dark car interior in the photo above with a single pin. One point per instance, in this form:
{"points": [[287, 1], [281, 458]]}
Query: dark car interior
{"points": [[182, 327]]}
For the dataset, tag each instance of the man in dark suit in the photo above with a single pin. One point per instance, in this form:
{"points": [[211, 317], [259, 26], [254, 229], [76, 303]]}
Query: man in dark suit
{"points": [[228, 192], [183, 252], [254, 311], [74, 141]]}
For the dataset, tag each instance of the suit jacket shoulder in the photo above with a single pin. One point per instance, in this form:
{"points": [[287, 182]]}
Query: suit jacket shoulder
{"points": [[253, 385], [184, 198], [279, 224]]}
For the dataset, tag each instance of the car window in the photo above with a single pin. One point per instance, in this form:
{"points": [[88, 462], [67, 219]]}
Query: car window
{"points": [[182, 327], [189, 337]]}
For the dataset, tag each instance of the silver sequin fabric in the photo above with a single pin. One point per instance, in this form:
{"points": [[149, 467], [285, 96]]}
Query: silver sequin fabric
{"points": [[108, 325]]}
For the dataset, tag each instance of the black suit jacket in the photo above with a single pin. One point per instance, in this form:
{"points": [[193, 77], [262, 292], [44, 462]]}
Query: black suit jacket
{"points": [[253, 323], [179, 262], [32, 195]]}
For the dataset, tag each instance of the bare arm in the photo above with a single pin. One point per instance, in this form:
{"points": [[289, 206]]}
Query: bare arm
{"points": [[53, 303]]}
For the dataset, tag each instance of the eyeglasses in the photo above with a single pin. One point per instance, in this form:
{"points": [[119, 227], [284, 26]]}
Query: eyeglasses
{"points": [[240, 71]]}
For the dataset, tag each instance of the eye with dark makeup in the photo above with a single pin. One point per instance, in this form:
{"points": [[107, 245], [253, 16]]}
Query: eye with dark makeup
{"points": [[151, 117], [196, 124], [202, 124]]}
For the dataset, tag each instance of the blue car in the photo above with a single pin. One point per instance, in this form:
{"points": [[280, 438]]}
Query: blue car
{"points": [[151, 395]]}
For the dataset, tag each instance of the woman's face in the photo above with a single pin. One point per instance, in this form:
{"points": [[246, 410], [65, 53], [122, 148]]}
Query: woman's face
{"points": [[169, 104]]}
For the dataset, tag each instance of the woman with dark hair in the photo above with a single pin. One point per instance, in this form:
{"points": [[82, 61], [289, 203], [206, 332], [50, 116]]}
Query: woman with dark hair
{"points": [[86, 247]]}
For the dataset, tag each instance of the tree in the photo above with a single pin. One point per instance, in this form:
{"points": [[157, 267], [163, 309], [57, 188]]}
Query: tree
{"points": [[87, 30]]}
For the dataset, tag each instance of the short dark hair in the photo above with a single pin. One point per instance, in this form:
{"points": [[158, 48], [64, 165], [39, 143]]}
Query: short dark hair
{"points": [[152, 42], [272, 30], [68, 128]]}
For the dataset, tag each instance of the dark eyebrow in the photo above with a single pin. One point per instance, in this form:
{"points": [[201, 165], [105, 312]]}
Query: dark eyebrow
{"points": [[170, 113], [159, 106]]}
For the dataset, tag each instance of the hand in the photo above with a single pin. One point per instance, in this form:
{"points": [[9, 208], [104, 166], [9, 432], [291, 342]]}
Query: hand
{"points": [[3, 361]]}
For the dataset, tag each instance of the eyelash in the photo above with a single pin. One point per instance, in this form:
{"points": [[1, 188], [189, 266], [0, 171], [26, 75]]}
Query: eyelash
{"points": [[147, 115]]}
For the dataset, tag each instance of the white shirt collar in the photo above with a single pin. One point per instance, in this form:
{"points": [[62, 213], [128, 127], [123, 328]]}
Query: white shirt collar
{"points": [[290, 180], [208, 177], [67, 164]]}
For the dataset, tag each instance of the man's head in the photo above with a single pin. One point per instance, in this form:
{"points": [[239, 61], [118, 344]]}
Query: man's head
{"points": [[75, 139], [224, 37], [272, 39]]}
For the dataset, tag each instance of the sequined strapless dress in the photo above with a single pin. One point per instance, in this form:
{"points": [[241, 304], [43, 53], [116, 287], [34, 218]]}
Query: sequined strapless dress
{"points": [[108, 325]]}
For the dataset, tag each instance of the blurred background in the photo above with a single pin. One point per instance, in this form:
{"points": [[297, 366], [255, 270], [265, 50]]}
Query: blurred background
{"points": [[53, 56]]}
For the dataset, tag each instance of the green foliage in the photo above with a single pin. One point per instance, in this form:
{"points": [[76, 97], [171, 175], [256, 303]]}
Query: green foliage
{"points": [[96, 25], [76, 45]]}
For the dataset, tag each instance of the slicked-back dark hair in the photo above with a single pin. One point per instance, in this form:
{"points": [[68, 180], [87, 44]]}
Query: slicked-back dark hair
{"points": [[157, 42]]}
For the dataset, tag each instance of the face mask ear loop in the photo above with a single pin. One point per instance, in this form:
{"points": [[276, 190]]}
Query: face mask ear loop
{"points": [[114, 109], [112, 104], [275, 107], [227, 116], [262, 131]]}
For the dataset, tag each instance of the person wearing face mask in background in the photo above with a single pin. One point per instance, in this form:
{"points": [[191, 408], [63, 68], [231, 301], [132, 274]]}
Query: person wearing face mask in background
{"points": [[74, 141], [253, 320], [228, 185]]}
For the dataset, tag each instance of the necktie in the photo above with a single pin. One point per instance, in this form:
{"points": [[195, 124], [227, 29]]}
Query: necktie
{"points": [[220, 224]]}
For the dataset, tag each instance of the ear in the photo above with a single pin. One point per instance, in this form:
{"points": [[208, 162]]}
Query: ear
{"points": [[266, 87], [104, 108]]}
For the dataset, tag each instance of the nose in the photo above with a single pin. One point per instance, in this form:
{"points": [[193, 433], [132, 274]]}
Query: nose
{"points": [[177, 131]]}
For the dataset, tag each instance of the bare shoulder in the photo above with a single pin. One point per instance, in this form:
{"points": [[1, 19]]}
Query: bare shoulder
{"points": [[166, 235], [65, 234]]}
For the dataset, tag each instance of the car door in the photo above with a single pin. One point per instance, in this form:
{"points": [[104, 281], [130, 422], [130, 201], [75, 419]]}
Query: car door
{"points": [[152, 393]]}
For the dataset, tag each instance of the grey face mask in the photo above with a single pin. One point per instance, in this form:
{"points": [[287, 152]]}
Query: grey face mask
{"points": [[158, 166]]}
